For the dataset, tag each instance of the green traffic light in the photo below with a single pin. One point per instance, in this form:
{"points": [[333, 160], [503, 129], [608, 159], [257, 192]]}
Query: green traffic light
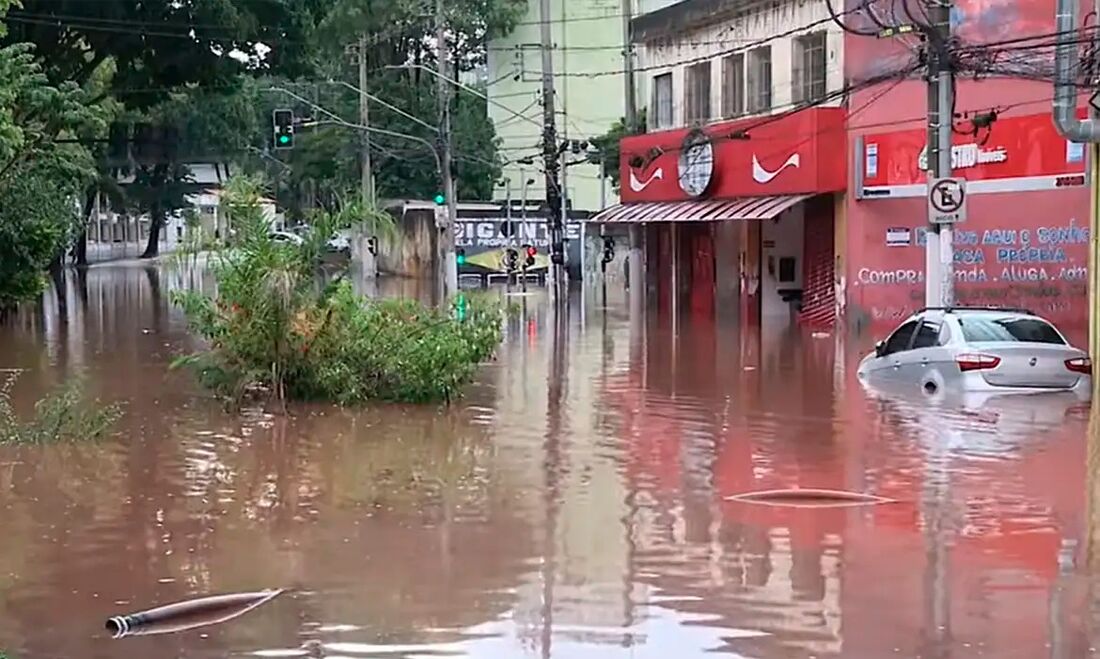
{"points": [[439, 199], [461, 259]]}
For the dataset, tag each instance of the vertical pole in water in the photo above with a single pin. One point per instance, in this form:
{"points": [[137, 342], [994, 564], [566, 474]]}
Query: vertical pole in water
{"points": [[511, 229], [939, 284], [523, 229], [447, 259], [550, 155]]}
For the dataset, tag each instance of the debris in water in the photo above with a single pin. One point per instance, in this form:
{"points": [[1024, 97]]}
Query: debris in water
{"points": [[809, 498], [190, 614]]}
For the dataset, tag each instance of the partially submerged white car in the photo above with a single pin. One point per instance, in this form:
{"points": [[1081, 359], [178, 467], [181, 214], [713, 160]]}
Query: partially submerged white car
{"points": [[970, 349]]}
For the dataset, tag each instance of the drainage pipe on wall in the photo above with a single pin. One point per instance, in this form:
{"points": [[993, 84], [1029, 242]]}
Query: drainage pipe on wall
{"points": [[1066, 70]]}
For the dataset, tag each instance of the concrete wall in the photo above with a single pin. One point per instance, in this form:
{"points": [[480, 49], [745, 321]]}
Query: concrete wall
{"points": [[669, 54], [411, 252], [588, 39]]}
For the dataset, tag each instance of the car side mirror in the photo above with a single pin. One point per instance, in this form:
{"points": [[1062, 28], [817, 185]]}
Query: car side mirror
{"points": [[880, 348]]}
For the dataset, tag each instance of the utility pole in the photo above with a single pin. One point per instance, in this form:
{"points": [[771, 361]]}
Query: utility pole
{"points": [[631, 95], [550, 156], [367, 183], [446, 228], [939, 280], [636, 267]]}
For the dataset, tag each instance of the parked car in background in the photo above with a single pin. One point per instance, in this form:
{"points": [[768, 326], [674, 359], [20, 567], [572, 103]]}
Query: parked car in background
{"points": [[286, 237], [340, 242], [970, 349]]}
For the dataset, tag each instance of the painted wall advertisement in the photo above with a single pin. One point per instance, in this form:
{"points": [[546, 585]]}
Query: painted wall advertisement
{"points": [[1022, 245], [486, 239]]}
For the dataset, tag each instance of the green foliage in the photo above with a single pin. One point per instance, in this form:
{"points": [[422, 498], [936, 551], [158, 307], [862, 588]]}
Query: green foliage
{"points": [[41, 181], [273, 329], [607, 151], [36, 219], [401, 31], [65, 415], [159, 47]]}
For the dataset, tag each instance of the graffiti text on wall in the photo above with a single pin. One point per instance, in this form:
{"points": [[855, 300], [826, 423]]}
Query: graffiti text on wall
{"points": [[999, 255]]}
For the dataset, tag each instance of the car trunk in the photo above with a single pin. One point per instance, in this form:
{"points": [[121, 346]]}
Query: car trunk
{"points": [[1040, 365]]}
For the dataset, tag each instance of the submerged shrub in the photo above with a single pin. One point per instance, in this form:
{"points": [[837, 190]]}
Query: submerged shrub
{"points": [[273, 330], [64, 415]]}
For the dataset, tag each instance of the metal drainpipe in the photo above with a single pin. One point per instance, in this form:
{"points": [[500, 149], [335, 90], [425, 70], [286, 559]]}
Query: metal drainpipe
{"points": [[1065, 120], [1065, 78]]}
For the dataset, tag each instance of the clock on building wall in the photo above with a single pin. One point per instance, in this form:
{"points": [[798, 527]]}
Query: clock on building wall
{"points": [[696, 163]]}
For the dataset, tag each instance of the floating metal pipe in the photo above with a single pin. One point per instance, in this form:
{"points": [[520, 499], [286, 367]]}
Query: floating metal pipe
{"points": [[188, 615], [809, 498], [1066, 68]]}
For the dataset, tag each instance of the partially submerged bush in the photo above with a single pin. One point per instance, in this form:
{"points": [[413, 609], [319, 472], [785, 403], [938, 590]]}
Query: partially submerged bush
{"points": [[64, 415], [272, 329]]}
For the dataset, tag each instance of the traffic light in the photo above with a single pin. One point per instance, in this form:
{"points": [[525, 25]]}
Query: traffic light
{"points": [[440, 199], [511, 259], [530, 251], [283, 127], [608, 251], [460, 256]]}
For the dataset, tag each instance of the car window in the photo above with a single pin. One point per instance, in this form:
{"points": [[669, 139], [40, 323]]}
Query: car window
{"points": [[1009, 328], [928, 335], [899, 340], [945, 333]]}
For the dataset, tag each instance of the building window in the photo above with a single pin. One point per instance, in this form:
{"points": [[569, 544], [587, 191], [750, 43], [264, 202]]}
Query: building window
{"points": [[808, 68], [697, 93], [733, 86], [662, 101], [760, 79]]}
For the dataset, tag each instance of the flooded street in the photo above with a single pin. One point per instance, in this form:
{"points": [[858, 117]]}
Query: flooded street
{"points": [[573, 504]]}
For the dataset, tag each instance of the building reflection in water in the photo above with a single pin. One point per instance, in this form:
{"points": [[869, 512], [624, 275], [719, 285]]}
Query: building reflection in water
{"points": [[572, 504]]}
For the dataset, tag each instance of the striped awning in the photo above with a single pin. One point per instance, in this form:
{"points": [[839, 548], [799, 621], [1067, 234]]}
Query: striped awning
{"points": [[709, 210]]}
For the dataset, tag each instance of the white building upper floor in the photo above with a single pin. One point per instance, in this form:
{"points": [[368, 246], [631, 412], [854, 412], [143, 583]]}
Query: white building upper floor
{"points": [[703, 61], [587, 38]]}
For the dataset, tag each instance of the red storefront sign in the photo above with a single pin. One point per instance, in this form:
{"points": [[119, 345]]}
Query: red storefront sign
{"points": [[800, 153], [1014, 154]]}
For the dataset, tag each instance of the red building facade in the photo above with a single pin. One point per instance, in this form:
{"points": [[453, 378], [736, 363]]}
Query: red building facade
{"points": [[1025, 241], [739, 212]]}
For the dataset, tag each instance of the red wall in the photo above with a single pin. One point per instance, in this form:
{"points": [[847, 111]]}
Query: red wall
{"points": [[885, 283]]}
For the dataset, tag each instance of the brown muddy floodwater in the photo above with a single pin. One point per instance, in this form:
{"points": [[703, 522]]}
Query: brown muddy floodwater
{"points": [[573, 504]]}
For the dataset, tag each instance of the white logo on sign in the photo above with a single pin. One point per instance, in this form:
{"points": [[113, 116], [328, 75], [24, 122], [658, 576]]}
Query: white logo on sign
{"points": [[638, 186], [967, 155], [761, 175]]}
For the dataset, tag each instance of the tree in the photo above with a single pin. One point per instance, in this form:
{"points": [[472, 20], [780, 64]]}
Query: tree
{"points": [[402, 31], [40, 178], [210, 125], [606, 153], [156, 49], [159, 47]]}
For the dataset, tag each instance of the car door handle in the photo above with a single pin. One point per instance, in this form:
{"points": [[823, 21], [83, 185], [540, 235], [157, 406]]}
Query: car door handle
{"points": [[924, 361], [897, 363]]}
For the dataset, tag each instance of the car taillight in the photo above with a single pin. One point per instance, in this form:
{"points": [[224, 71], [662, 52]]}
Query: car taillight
{"points": [[1080, 365], [972, 362]]}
